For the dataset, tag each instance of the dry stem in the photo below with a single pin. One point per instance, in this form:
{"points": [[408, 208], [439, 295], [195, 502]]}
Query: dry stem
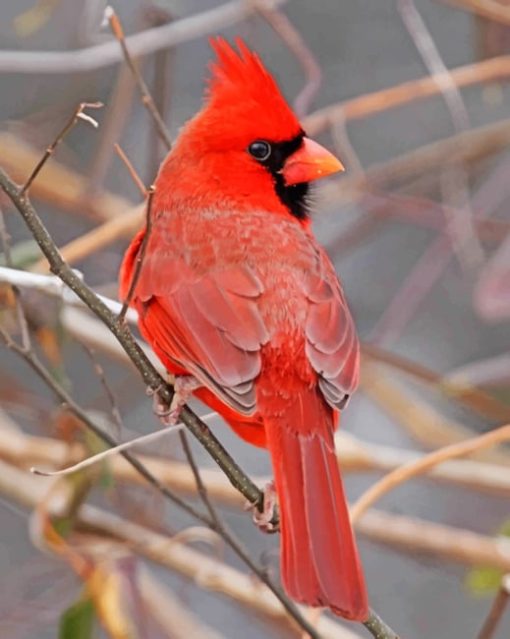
{"points": [[372, 103], [426, 463], [79, 114], [497, 610], [147, 100]]}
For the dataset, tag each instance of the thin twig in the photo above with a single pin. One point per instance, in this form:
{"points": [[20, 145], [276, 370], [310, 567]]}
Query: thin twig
{"points": [[131, 170], [33, 361], [147, 100], [59, 185], [20, 312], [301, 51], [453, 180], [202, 490], [79, 114], [463, 392], [124, 225], [426, 463], [99, 370], [497, 609], [432, 263], [113, 122], [370, 104], [494, 10], [223, 530], [53, 285], [344, 147], [106, 454], [140, 256], [164, 67]]}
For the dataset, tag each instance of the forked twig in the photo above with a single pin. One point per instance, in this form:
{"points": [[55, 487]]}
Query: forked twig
{"points": [[79, 114]]}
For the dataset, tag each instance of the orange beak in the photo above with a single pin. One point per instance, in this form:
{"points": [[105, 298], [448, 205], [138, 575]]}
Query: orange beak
{"points": [[310, 162]]}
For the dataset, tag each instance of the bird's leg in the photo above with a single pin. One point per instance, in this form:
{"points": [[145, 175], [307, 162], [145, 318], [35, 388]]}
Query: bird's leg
{"points": [[184, 385], [264, 519]]}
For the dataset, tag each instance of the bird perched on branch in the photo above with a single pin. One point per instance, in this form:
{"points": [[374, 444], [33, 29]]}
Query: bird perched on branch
{"points": [[235, 293]]}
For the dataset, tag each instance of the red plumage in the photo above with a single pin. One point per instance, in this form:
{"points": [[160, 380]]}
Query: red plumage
{"points": [[235, 290]]}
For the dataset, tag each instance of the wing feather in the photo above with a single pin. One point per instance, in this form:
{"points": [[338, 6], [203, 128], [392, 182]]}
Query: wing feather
{"points": [[209, 324], [332, 345]]}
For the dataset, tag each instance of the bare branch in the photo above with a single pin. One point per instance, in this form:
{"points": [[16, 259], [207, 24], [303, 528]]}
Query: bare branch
{"points": [[426, 463], [122, 226], [105, 454], [131, 170], [153, 380], [296, 44], [143, 43], [372, 103], [147, 100], [53, 285], [491, 9], [58, 184], [454, 180], [497, 609], [99, 370]]}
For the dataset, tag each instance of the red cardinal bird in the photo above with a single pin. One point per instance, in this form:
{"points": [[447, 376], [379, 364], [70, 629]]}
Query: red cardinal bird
{"points": [[235, 291]]}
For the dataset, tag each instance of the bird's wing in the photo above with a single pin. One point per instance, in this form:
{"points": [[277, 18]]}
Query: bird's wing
{"points": [[332, 344], [207, 323]]}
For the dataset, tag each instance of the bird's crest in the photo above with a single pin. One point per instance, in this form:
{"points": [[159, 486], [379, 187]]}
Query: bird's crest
{"points": [[240, 75]]}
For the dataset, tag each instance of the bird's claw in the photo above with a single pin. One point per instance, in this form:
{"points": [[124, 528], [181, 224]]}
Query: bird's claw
{"points": [[168, 413], [264, 520]]}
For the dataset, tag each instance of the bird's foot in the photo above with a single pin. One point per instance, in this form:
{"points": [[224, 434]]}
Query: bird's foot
{"points": [[264, 520], [168, 413]]}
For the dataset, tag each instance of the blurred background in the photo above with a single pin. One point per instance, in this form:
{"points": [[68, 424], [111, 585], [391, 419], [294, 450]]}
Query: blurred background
{"points": [[418, 228]]}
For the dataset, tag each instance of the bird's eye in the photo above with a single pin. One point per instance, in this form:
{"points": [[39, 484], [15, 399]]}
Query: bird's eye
{"points": [[260, 149]]}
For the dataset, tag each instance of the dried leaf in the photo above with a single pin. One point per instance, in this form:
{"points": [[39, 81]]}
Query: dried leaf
{"points": [[106, 591]]}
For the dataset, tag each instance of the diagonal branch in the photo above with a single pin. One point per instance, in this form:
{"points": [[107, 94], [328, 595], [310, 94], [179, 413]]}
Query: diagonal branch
{"points": [[425, 464], [497, 610], [149, 374], [154, 380]]}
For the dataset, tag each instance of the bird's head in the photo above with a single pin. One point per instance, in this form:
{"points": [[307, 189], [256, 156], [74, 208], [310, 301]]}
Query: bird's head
{"points": [[247, 139]]}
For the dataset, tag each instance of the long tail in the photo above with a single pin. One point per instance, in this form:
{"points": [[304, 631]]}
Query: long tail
{"points": [[319, 559]]}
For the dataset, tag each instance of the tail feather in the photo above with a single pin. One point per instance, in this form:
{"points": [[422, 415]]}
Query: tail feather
{"points": [[298, 570], [319, 559]]}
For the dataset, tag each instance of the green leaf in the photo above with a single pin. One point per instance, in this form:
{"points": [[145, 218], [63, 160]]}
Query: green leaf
{"points": [[77, 622], [504, 529], [62, 525], [482, 582]]}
